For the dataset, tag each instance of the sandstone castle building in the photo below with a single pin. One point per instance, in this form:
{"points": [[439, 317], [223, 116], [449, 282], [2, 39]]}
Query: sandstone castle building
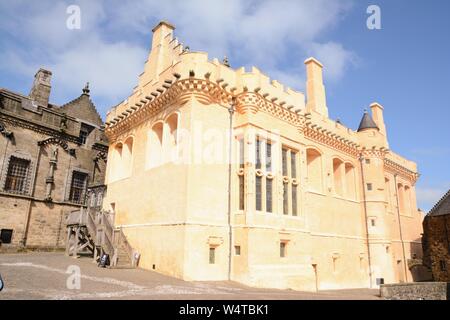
{"points": [[217, 173], [49, 155]]}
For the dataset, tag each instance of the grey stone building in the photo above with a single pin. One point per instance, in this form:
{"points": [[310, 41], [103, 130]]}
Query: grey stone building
{"points": [[436, 239], [49, 156]]}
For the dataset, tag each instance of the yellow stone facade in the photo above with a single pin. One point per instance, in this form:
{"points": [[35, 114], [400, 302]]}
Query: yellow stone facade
{"points": [[298, 201]]}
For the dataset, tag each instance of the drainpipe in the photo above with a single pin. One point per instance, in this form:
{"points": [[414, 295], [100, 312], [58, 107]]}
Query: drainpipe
{"points": [[400, 228], [230, 152], [361, 158]]}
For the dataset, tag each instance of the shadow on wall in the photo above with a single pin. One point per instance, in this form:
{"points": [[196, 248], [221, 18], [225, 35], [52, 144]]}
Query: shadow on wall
{"points": [[419, 271]]}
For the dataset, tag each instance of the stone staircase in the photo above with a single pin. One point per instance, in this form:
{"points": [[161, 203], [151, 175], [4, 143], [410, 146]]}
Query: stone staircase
{"points": [[92, 233]]}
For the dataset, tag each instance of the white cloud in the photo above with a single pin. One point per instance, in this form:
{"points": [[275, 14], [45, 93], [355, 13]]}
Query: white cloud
{"points": [[109, 50], [334, 57]]}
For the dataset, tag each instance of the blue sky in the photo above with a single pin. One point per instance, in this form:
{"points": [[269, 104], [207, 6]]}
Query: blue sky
{"points": [[404, 66]]}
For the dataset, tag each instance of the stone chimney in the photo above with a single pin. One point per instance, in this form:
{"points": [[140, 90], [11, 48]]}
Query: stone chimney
{"points": [[160, 31], [315, 90], [160, 55], [377, 114], [40, 92]]}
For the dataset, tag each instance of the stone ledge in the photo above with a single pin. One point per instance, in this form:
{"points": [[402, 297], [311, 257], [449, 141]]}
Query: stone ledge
{"points": [[416, 291]]}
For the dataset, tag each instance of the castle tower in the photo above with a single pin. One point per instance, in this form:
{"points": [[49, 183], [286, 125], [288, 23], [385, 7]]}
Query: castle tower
{"points": [[374, 197]]}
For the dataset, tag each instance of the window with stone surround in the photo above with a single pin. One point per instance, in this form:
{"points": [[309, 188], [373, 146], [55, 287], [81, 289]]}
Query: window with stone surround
{"points": [[85, 131], [78, 187], [17, 175], [264, 184], [289, 169]]}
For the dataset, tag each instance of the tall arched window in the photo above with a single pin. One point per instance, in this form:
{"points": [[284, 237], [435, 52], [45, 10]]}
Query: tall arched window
{"points": [[350, 180], [127, 157], [115, 169], [155, 146], [314, 169], [172, 125], [338, 177]]}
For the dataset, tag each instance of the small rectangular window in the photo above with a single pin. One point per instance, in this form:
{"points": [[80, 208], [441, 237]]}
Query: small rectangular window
{"points": [[6, 235], [85, 130], [268, 195], [83, 136], [212, 255], [372, 222], [367, 161], [241, 192], [284, 154], [258, 193], [443, 265], [369, 187], [282, 249], [237, 250]]}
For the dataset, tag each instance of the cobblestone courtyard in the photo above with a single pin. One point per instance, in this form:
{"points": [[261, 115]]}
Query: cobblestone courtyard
{"points": [[43, 276]]}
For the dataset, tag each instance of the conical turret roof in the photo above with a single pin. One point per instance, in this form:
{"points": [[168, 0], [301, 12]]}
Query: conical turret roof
{"points": [[367, 122]]}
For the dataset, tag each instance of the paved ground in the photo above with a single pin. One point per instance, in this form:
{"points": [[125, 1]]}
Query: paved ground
{"points": [[43, 276]]}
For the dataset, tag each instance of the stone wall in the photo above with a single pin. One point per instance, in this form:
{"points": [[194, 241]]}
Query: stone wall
{"points": [[416, 291], [436, 240]]}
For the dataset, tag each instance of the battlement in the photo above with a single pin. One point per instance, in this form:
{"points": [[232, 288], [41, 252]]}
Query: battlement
{"points": [[168, 57]]}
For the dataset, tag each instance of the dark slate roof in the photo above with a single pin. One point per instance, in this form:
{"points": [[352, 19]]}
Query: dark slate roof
{"points": [[440, 208], [367, 123]]}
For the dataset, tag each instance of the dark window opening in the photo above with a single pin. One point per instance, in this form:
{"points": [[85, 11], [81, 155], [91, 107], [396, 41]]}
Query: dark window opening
{"points": [[237, 250], [369, 187], [85, 130], [17, 175], [78, 187], [6, 235], [443, 265]]}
